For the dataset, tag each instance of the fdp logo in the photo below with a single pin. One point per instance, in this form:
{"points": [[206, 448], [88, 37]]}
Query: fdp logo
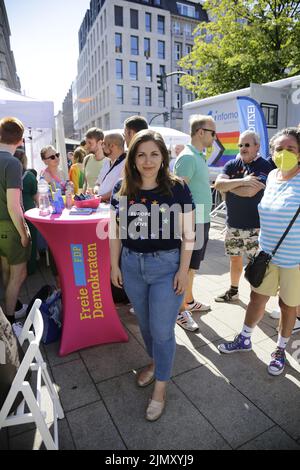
{"points": [[295, 97]]}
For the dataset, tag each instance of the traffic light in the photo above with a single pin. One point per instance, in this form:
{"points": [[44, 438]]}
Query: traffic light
{"points": [[166, 117], [160, 82]]}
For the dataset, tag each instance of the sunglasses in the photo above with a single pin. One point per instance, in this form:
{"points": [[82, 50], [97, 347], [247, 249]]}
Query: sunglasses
{"points": [[243, 145], [53, 157], [213, 133]]}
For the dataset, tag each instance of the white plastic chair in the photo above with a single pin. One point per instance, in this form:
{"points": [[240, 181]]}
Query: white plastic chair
{"points": [[33, 361]]}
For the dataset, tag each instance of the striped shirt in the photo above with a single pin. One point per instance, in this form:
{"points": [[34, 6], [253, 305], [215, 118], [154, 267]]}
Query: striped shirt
{"points": [[276, 209]]}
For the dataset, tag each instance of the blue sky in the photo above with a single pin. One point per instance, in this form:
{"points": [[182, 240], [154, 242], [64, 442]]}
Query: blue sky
{"points": [[44, 40]]}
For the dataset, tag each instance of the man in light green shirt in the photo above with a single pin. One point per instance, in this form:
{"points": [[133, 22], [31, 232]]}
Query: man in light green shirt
{"points": [[191, 166], [93, 162]]}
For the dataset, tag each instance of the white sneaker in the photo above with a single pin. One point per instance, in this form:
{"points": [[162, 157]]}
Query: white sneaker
{"points": [[185, 320], [275, 314], [21, 313], [17, 328]]}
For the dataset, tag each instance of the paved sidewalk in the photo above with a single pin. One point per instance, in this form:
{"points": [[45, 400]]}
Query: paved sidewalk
{"points": [[213, 402]]}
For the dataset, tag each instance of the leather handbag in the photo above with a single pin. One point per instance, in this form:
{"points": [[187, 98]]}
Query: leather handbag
{"points": [[256, 268]]}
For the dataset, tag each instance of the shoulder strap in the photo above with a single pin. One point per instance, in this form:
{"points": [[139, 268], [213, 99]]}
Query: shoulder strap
{"points": [[86, 160], [286, 231], [25, 174]]}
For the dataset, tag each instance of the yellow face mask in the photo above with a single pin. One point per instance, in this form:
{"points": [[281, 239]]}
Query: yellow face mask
{"points": [[285, 160]]}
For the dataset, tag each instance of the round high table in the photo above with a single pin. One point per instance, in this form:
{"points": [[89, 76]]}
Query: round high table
{"points": [[80, 247]]}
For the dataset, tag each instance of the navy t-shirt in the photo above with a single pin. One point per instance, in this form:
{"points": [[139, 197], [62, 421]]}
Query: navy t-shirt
{"points": [[242, 211], [150, 221]]}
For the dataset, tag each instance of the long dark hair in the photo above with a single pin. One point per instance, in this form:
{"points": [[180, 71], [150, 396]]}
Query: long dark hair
{"points": [[132, 180]]}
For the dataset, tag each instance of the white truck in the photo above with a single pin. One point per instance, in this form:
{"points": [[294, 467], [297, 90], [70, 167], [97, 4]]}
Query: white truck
{"points": [[279, 100]]}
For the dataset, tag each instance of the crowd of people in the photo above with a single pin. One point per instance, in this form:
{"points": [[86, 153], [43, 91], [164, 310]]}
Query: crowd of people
{"points": [[157, 249]]}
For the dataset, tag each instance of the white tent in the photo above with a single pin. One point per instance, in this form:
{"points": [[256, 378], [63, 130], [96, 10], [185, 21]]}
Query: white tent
{"points": [[171, 136], [37, 117]]}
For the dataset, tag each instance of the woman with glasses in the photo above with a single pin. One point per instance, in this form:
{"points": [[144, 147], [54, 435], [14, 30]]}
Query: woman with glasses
{"points": [[151, 242], [52, 173], [276, 210]]}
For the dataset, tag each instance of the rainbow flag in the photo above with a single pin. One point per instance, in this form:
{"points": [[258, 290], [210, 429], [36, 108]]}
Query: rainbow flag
{"points": [[229, 140]]}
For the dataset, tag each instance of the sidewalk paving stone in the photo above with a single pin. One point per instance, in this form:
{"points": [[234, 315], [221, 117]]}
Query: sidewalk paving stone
{"points": [[181, 427], [278, 397], [273, 439], [231, 414], [92, 428], [110, 360], [76, 387]]}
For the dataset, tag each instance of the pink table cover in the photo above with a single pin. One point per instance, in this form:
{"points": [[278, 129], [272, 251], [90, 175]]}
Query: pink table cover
{"points": [[80, 247]]}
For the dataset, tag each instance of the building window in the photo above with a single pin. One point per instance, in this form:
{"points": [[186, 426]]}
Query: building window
{"points": [[118, 17], [133, 70], [134, 19], [120, 94], [135, 96], [119, 69], [188, 30], [118, 42], [176, 27], [161, 24], [147, 51], [149, 72], [161, 99], [188, 48], [271, 114], [186, 10], [178, 51], [107, 121], [148, 22], [134, 41], [162, 70], [161, 53], [189, 97], [148, 97], [178, 100]]}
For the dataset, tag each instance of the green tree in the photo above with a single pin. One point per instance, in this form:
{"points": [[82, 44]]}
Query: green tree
{"points": [[245, 41]]}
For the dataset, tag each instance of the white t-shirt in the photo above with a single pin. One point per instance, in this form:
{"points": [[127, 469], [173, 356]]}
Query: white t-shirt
{"points": [[110, 175]]}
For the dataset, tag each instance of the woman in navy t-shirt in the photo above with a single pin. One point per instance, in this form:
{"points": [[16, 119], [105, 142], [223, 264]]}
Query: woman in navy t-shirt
{"points": [[151, 243]]}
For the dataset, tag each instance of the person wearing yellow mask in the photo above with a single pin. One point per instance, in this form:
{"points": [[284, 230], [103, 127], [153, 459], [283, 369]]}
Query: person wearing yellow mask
{"points": [[242, 182], [276, 209]]}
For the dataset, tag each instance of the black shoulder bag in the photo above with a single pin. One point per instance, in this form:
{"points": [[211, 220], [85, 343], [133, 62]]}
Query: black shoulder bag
{"points": [[256, 268]]}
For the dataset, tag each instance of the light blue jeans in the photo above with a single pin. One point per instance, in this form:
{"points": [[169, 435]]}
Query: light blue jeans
{"points": [[148, 281]]}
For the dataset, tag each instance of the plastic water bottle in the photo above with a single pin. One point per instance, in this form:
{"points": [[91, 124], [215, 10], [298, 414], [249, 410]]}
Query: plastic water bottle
{"points": [[58, 202], [69, 194], [44, 202]]}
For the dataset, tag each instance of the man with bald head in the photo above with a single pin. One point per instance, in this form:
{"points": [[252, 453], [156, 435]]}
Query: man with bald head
{"points": [[113, 149]]}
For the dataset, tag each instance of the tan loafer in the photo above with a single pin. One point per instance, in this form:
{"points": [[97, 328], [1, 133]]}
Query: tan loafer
{"points": [[144, 379], [155, 410]]}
